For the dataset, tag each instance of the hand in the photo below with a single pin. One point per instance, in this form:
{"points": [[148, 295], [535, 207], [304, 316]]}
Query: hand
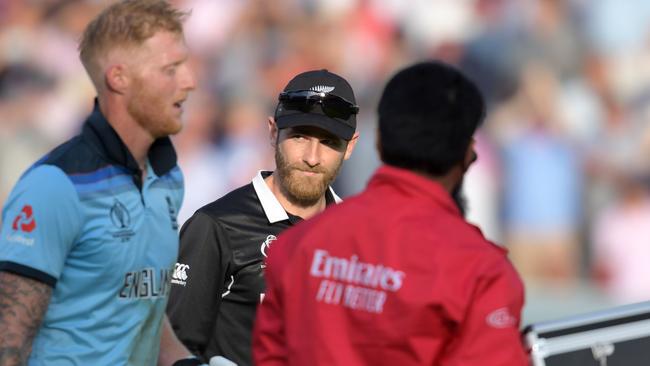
{"points": [[221, 361]]}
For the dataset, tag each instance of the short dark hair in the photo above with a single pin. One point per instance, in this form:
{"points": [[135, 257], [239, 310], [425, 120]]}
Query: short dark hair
{"points": [[428, 114]]}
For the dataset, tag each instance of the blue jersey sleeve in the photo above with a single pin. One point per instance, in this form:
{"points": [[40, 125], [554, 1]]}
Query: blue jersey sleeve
{"points": [[41, 221]]}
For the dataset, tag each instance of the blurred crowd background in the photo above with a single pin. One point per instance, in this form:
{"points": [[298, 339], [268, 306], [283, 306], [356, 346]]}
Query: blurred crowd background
{"points": [[562, 177]]}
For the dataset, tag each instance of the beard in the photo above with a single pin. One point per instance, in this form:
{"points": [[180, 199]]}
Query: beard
{"points": [[304, 191], [459, 198], [151, 112]]}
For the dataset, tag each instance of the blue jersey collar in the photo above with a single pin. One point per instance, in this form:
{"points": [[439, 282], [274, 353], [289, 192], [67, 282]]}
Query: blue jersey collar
{"points": [[98, 130]]}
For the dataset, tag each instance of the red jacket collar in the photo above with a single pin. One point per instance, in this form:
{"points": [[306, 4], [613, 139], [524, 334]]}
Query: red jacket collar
{"points": [[414, 184]]}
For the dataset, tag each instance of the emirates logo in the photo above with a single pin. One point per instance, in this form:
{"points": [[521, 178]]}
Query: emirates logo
{"points": [[25, 221]]}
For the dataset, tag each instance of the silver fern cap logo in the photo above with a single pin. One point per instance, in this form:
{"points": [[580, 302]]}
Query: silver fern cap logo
{"points": [[322, 88]]}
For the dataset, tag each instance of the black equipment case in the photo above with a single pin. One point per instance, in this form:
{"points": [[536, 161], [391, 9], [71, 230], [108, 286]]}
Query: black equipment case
{"points": [[618, 336]]}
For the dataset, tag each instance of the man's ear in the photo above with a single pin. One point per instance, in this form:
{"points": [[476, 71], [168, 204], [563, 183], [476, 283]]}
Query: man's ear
{"points": [[117, 79], [273, 131], [351, 144]]}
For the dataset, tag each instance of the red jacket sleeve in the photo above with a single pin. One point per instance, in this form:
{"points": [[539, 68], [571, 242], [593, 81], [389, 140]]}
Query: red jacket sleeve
{"points": [[269, 341], [489, 333]]}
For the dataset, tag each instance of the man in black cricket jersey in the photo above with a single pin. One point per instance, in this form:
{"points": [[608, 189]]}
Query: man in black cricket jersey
{"points": [[218, 280]]}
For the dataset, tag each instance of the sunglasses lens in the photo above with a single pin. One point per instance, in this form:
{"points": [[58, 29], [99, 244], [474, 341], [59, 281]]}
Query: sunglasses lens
{"points": [[336, 107], [298, 102], [306, 100]]}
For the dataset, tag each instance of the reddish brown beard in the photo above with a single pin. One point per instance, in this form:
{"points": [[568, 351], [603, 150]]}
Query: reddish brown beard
{"points": [[148, 111], [303, 191]]}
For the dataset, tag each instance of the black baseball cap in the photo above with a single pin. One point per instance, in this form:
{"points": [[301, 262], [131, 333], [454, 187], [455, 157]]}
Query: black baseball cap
{"points": [[325, 82]]}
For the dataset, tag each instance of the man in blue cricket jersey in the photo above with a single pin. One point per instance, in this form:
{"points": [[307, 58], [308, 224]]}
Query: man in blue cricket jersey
{"points": [[89, 234]]}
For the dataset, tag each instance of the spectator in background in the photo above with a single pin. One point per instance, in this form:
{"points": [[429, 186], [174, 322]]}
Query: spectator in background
{"points": [[21, 142], [481, 187], [198, 157], [542, 180], [244, 146], [621, 239]]}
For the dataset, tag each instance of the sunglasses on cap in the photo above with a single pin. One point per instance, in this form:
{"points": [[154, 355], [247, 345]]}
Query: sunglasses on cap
{"points": [[332, 105]]}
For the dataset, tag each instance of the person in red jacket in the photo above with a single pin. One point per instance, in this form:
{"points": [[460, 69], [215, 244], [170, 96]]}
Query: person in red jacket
{"points": [[395, 275]]}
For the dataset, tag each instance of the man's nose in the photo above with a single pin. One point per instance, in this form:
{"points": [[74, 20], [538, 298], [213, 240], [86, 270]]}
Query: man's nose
{"points": [[311, 155], [188, 82]]}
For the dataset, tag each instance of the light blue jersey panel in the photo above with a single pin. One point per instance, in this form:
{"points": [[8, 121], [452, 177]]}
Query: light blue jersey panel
{"points": [[41, 221], [111, 249]]}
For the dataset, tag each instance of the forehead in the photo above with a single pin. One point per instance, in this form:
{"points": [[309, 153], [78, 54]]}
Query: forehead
{"points": [[164, 46], [312, 131]]}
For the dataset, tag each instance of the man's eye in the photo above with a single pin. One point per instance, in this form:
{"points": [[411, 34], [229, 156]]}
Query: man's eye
{"points": [[333, 143], [170, 71]]}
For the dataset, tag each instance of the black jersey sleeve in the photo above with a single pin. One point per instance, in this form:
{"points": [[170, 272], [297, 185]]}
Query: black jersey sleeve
{"points": [[198, 282]]}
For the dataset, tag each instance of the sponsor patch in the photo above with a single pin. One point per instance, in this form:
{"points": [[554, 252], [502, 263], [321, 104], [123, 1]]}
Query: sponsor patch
{"points": [[179, 277], [354, 284], [501, 318], [19, 239], [266, 245], [25, 221]]}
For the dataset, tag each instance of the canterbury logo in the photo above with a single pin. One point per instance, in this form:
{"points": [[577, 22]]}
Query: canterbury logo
{"points": [[180, 272], [25, 220], [322, 88]]}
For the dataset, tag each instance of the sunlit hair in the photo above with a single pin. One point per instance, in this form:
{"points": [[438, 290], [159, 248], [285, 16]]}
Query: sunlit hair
{"points": [[126, 24]]}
